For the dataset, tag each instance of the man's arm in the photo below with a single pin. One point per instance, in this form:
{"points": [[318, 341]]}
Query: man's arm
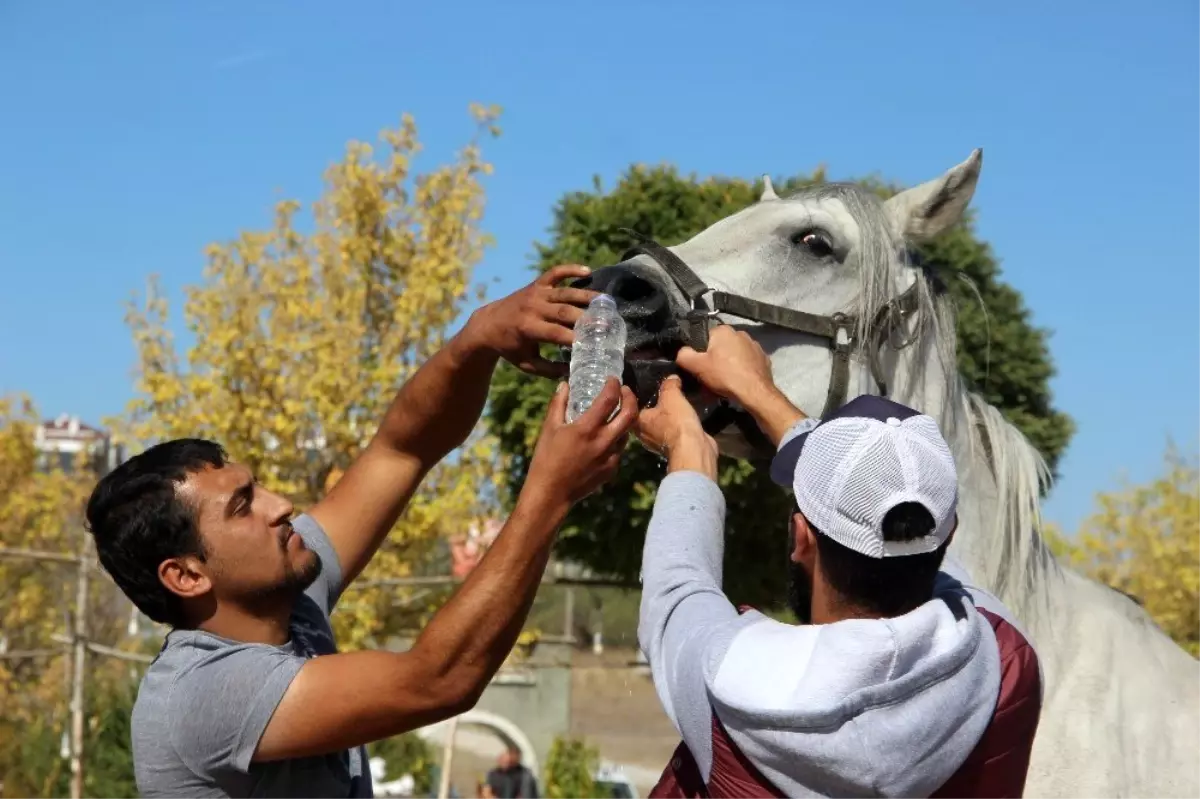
{"points": [[339, 701], [735, 367], [685, 622], [437, 408]]}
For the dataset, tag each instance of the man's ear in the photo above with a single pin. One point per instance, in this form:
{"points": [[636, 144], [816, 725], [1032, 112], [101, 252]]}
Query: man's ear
{"points": [[804, 542], [185, 576]]}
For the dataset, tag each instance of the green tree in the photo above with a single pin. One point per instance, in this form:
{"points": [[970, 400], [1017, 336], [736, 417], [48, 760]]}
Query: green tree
{"points": [[569, 769], [34, 766], [407, 753], [605, 532]]}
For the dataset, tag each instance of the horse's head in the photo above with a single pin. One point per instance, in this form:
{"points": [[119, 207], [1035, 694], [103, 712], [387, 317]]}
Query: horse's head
{"points": [[835, 252]]}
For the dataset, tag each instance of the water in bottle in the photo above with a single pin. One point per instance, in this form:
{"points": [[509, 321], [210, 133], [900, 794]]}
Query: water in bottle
{"points": [[598, 354]]}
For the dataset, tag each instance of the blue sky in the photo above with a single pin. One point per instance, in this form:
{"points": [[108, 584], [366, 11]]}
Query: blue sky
{"points": [[133, 134]]}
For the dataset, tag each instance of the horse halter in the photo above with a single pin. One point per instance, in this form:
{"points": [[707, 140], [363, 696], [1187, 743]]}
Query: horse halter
{"points": [[838, 329]]}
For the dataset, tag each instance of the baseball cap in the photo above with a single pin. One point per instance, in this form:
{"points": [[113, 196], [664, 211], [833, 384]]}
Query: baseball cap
{"points": [[852, 467]]}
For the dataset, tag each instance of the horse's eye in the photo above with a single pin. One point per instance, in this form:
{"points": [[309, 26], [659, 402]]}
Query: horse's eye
{"points": [[816, 242]]}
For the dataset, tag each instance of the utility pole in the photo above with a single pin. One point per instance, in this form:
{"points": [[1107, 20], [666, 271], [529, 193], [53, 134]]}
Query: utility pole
{"points": [[569, 614], [447, 759], [79, 644]]}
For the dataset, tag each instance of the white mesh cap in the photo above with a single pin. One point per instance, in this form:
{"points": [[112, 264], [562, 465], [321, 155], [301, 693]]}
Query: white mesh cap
{"points": [[866, 458]]}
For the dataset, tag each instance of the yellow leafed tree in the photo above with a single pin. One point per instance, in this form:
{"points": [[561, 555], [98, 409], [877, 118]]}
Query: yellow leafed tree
{"points": [[302, 338], [1144, 540], [41, 509]]}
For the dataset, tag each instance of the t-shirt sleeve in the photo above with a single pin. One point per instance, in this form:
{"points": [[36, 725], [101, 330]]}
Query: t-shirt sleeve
{"points": [[223, 704], [326, 589]]}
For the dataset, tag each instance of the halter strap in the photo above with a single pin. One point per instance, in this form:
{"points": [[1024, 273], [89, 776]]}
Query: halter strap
{"points": [[838, 329]]}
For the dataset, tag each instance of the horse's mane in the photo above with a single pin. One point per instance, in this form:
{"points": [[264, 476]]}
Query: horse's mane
{"points": [[1015, 560]]}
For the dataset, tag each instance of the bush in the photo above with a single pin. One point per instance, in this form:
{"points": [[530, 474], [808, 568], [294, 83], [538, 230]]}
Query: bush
{"points": [[32, 763], [406, 754], [569, 769]]}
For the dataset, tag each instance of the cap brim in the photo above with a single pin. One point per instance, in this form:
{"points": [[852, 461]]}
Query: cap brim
{"points": [[783, 465]]}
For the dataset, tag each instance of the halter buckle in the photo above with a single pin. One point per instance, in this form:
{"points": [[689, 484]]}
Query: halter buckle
{"points": [[697, 311], [843, 335]]}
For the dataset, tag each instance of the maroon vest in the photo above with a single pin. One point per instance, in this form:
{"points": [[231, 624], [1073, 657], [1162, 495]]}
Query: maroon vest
{"points": [[995, 768]]}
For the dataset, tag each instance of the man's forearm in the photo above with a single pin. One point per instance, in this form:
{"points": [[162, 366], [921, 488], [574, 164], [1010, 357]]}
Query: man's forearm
{"points": [[432, 414], [692, 455], [774, 412], [437, 408], [469, 638], [684, 611]]}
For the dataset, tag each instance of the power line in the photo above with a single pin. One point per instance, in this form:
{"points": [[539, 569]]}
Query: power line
{"points": [[31, 654], [447, 579], [19, 553]]}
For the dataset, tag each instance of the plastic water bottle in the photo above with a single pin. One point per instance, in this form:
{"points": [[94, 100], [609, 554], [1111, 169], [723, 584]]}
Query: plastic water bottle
{"points": [[598, 354]]}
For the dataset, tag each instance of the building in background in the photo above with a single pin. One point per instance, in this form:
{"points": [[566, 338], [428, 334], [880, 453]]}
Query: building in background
{"points": [[61, 441]]}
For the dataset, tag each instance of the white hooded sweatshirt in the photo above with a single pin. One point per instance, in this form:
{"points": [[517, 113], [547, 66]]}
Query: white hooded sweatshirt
{"points": [[888, 707]]}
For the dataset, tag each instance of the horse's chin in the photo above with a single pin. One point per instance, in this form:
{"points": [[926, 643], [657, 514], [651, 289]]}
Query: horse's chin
{"points": [[644, 372], [732, 443], [647, 354]]}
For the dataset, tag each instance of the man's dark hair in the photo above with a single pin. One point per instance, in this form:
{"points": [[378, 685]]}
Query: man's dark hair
{"points": [[886, 586], [138, 520]]}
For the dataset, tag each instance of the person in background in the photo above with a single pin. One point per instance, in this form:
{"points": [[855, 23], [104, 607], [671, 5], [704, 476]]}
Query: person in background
{"points": [[511, 779], [248, 696], [902, 679]]}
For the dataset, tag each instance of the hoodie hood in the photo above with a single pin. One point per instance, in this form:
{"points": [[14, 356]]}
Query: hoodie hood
{"points": [[864, 707]]}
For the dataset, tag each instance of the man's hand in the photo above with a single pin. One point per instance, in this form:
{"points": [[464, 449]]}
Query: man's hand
{"points": [[673, 429], [571, 460], [737, 368], [734, 366], [542, 312]]}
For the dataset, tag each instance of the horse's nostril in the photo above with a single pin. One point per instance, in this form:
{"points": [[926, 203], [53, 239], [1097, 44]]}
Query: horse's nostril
{"points": [[637, 297], [633, 289]]}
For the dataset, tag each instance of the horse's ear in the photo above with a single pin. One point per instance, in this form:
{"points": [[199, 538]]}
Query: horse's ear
{"points": [[768, 192], [924, 211]]}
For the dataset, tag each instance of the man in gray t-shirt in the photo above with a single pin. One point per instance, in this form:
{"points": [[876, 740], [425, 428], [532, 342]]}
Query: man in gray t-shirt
{"points": [[249, 696], [206, 700]]}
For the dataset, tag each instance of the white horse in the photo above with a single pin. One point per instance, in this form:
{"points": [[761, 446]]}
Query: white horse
{"points": [[1121, 712]]}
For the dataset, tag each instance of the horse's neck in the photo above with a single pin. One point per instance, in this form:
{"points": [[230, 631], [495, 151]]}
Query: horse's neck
{"points": [[987, 507], [920, 382]]}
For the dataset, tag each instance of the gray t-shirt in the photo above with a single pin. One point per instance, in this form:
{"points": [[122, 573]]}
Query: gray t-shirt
{"points": [[205, 702]]}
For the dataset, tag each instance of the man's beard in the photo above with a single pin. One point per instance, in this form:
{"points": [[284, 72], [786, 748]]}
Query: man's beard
{"points": [[800, 592], [294, 582]]}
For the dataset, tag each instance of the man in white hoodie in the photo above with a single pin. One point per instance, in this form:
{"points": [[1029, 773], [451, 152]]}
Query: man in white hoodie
{"points": [[901, 680]]}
